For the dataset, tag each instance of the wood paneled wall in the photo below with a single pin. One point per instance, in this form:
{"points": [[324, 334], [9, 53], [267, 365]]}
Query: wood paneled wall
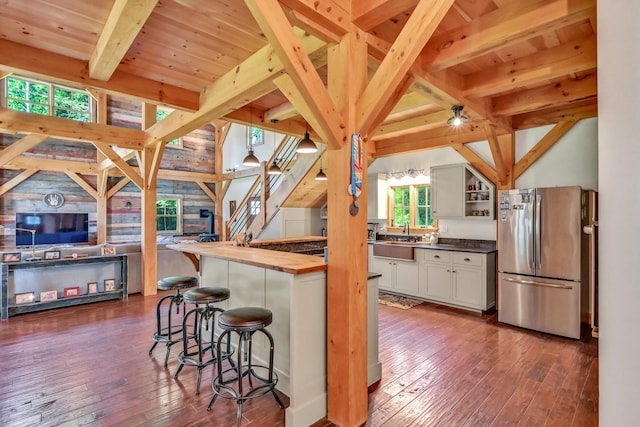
{"points": [[124, 224]]}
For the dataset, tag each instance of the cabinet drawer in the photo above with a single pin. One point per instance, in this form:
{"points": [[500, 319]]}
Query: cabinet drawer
{"points": [[437, 256], [466, 258]]}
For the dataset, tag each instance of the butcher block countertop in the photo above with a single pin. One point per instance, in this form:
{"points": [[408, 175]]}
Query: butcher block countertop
{"points": [[275, 260]]}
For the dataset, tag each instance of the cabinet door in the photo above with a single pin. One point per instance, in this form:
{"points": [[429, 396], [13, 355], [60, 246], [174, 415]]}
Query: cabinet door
{"points": [[467, 286], [438, 281], [447, 184], [385, 267], [406, 278]]}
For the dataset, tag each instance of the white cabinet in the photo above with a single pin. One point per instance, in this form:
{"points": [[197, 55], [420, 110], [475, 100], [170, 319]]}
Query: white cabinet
{"points": [[377, 196], [463, 279], [296, 222], [447, 187], [460, 191], [397, 275]]}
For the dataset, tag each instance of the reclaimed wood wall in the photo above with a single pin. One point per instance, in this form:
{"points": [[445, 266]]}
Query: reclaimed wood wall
{"points": [[124, 224]]}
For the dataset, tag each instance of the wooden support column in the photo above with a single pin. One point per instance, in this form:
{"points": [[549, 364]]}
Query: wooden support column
{"points": [[149, 245], [507, 145], [103, 174], [347, 244], [221, 130]]}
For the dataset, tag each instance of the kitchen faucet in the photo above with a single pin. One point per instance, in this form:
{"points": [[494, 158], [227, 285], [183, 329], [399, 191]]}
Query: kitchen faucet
{"points": [[405, 228]]}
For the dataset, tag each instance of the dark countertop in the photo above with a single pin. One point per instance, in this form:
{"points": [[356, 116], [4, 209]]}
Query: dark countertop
{"points": [[372, 275], [445, 244]]}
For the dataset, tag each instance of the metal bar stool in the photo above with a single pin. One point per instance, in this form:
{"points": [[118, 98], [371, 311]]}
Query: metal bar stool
{"points": [[245, 322], [198, 349], [170, 333]]}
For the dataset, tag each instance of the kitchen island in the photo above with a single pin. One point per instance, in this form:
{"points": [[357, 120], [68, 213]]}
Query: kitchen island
{"points": [[293, 287]]}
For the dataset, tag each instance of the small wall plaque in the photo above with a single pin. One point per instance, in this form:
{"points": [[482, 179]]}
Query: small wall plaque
{"points": [[53, 200]]}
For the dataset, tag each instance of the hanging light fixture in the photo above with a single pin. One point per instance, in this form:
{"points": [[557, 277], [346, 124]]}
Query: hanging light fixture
{"points": [[274, 169], [251, 159], [321, 176], [457, 119], [306, 145]]}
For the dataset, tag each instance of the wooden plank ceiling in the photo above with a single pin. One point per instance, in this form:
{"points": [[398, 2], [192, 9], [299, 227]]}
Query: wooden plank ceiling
{"points": [[511, 64]]}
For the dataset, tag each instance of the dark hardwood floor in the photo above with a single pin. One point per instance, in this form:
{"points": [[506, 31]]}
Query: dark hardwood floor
{"points": [[89, 365]]}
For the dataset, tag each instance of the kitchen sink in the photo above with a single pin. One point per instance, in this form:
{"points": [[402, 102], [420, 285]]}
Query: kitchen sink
{"points": [[398, 242], [396, 250]]}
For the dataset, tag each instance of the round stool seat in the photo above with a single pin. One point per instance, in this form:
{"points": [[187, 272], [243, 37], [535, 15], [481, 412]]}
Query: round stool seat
{"points": [[177, 282], [206, 295], [245, 319]]}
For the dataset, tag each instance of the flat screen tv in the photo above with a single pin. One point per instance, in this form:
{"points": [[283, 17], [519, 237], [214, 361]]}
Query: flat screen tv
{"points": [[52, 228]]}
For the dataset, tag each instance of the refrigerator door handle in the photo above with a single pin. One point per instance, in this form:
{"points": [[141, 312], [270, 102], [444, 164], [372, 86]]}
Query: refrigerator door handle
{"points": [[529, 282], [538, 233]]}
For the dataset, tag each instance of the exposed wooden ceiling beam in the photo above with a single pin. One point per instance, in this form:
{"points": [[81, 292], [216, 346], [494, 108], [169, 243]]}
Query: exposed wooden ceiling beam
{"points": [[123, 25], [255, 117], [117, 187], [87, 168], [403, 52], [476, 161], [12, 120], [496, 153], [550, 64], [444, 89], [328, 13], [283, 111], [371, 13], [37, 63], [246, 82], [126, 169], [565, 92], [20, 146], [83, 184], [575, 111], [417, 124], [437, 138], [510, 24], [553, 136], [53, 165], [16, 180], [300, 69]]}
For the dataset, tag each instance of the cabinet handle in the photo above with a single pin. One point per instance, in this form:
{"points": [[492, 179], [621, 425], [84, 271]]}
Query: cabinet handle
{"points": [[467, 259], [448, 271], [453, 271], [436, 256]]}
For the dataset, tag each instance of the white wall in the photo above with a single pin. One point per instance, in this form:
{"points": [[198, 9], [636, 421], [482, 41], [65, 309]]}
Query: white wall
{"points": [[619, 210], [571, 161]]}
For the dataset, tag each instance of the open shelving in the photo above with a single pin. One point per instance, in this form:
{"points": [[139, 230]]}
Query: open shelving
{"points": [[56, 275]]}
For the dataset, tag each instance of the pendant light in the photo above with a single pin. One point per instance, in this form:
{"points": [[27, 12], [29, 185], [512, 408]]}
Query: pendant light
{"points": [[321, 176], [274, 169], [457, 119], [306, 145], [251, 159]]}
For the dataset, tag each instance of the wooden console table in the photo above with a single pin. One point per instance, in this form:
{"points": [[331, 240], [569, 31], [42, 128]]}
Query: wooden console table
{"points": [[56, 275]]}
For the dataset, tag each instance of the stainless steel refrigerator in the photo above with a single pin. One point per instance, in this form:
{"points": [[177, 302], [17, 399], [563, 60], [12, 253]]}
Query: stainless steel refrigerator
{"points": [[539, 252]]}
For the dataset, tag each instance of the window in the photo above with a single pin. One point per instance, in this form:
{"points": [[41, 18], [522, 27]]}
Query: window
{"points": [[169, 216], [411, 205], [255, 136], [161, 113], [38, 97]]}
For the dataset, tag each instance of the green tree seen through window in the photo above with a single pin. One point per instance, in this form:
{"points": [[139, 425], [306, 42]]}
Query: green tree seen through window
{"points": [[32, 96]]}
